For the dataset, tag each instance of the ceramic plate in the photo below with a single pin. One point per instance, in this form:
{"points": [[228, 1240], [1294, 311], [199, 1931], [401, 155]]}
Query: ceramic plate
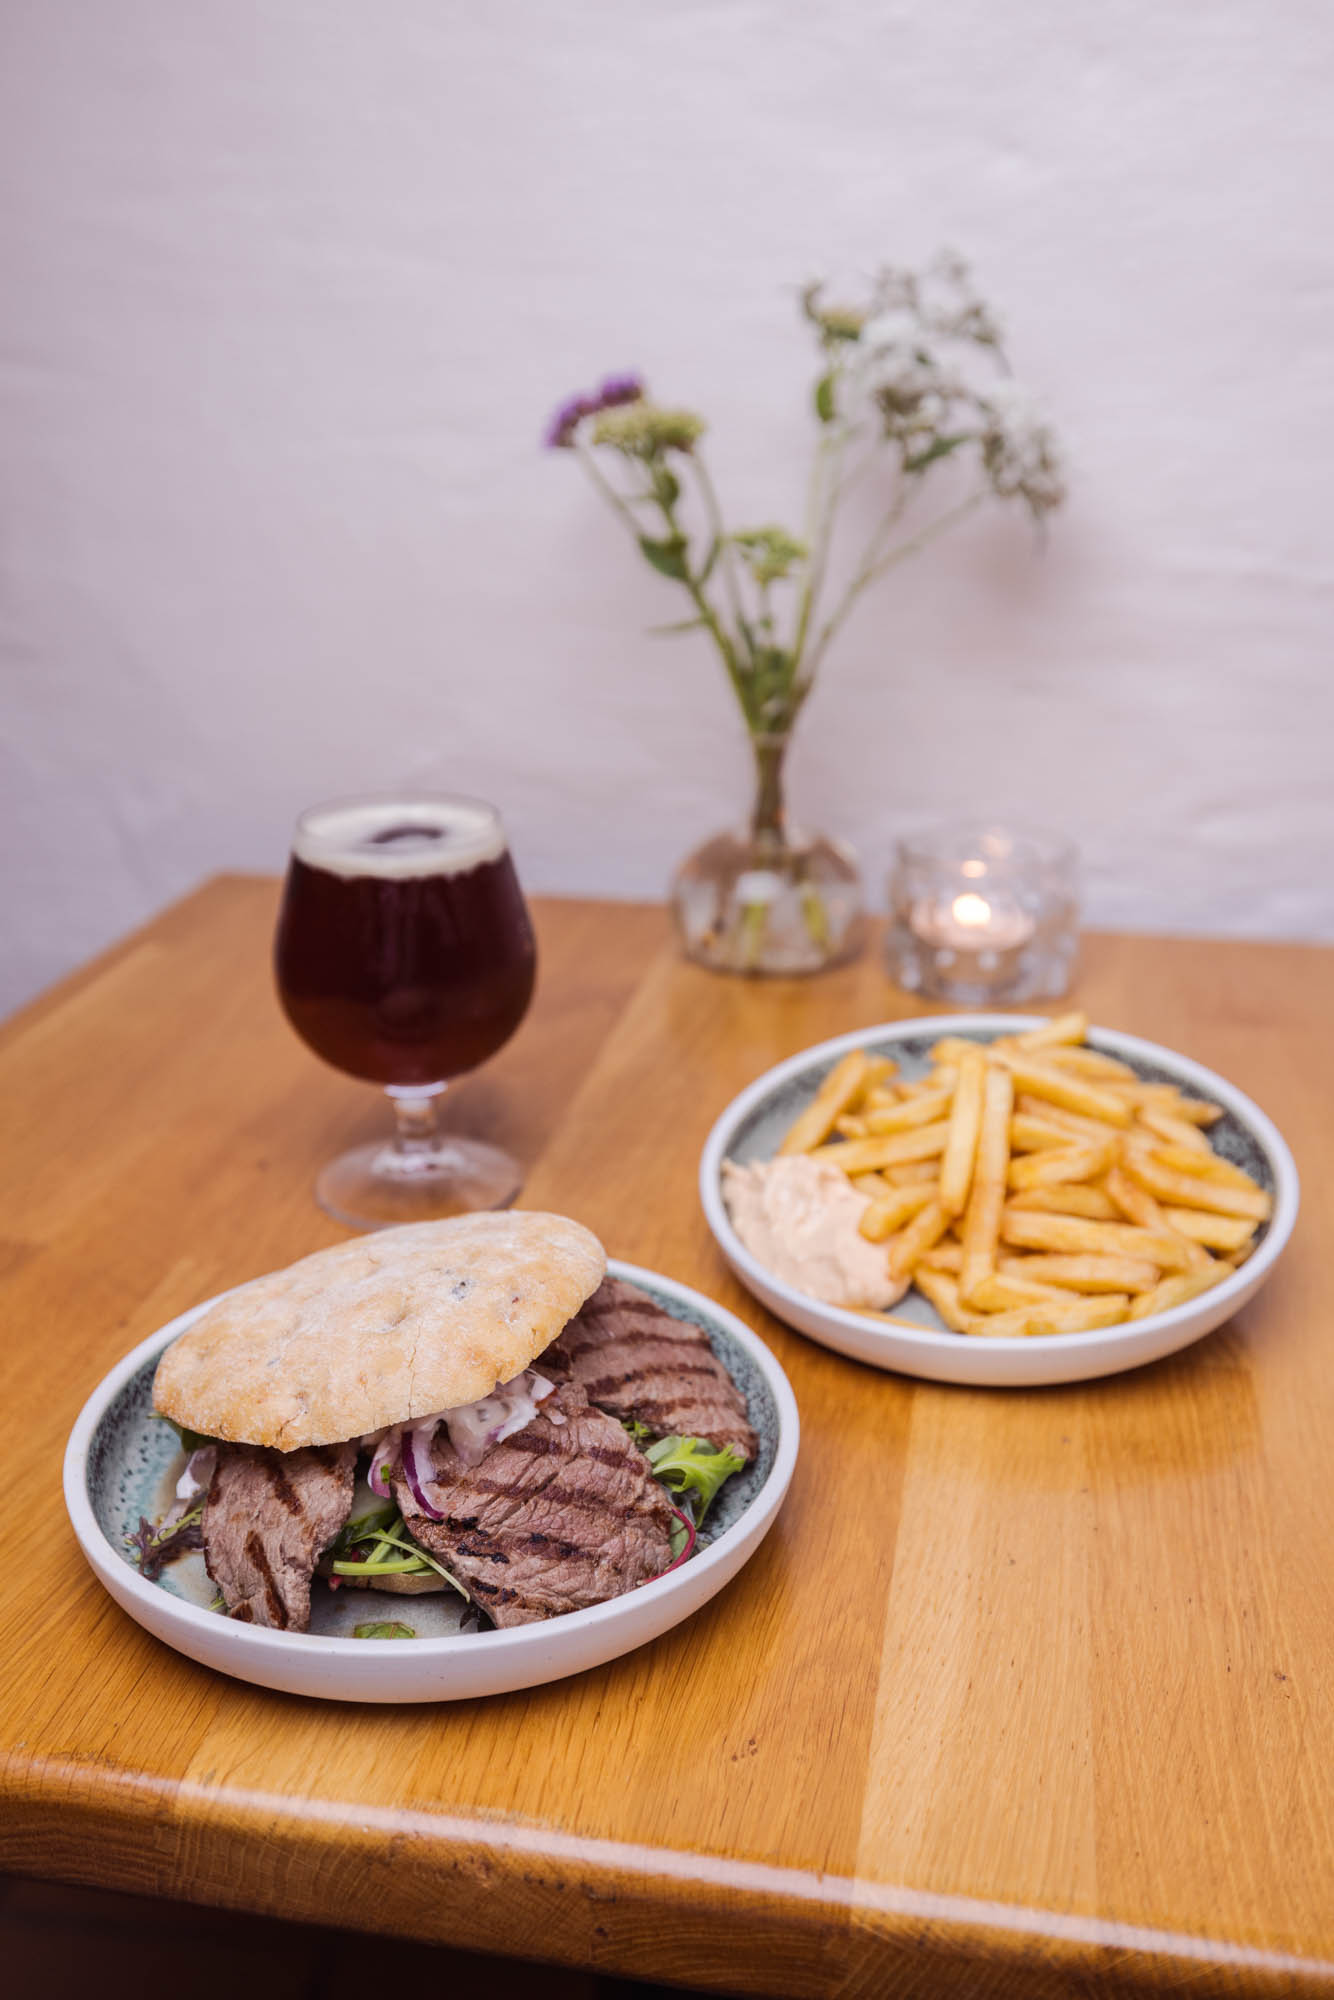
{"points": [[121, 1462], [753, 1125]]}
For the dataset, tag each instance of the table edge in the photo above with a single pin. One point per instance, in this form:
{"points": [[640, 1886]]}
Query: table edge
{"points": [[464, 1880]]}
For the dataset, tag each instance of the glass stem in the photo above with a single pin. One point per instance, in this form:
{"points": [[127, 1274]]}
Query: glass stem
{"points": [[416, 1133]]}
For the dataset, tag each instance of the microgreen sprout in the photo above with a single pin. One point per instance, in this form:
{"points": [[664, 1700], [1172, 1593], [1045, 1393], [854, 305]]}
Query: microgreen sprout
{"points": [[377, 1544]]}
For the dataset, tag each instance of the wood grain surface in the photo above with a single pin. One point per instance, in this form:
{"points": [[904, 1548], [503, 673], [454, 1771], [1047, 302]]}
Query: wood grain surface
{"points": [[1028, 1693]]}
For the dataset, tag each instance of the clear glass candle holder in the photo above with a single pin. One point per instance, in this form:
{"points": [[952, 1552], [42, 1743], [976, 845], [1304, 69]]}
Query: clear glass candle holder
{"points": [[984, 915]]}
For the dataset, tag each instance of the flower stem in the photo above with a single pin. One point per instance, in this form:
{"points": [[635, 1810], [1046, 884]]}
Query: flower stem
{"points": [[821, 507], [874, 565], [768, 813], [726, 553]]}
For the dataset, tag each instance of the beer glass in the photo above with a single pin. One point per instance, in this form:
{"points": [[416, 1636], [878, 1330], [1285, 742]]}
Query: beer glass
{"points": [[405, 955]]}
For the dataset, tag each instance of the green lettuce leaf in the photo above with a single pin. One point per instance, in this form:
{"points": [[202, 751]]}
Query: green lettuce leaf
{"points": [[689, 1465]]}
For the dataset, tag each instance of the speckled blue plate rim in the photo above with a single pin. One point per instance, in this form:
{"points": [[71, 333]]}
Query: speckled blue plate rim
{"points": [[768, 1481], [810, 1065]]}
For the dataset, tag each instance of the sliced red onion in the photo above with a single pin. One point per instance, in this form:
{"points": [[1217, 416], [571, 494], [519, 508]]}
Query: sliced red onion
{"points": [[417, 1466], [690, 1543], [375, 1478]]}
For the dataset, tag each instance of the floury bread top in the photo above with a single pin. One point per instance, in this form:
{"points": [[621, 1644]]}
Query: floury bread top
{"points": [[380, 1330]]}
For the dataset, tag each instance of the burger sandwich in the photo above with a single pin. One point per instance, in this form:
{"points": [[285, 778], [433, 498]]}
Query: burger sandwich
{"points": [[469, 1405]]}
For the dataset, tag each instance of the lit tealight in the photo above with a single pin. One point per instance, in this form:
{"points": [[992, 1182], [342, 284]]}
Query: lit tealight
{"points": [[982, 915], [970, 910], [978, 925]]}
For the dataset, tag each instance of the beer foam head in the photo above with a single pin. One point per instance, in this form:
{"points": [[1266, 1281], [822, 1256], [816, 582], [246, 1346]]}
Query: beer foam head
{"points": [[396, 838]]}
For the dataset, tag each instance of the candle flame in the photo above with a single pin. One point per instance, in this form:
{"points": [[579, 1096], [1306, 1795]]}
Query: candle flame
{"points": [[971, 910]]}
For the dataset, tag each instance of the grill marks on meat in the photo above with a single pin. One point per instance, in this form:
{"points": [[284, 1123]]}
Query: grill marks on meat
{"points": [[632, 1359], [555, 1518], [268, 1518]]}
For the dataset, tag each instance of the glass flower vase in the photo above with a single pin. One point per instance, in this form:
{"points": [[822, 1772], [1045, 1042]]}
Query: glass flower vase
{"points": [[769, 898]]}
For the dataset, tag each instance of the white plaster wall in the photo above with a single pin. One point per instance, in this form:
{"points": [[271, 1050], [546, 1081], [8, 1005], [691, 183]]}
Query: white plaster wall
{"points": [[289, 286]]}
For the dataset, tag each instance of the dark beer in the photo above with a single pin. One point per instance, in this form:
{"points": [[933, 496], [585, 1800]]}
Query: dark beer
{"points": [[404, 951]]}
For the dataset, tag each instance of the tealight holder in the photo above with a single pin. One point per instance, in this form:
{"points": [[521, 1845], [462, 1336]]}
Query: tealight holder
{"points": [[984, 915]]}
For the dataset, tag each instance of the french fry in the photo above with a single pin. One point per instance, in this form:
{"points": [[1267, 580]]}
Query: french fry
{"points": [[1088, 1273], [927, 1227], [1043, 1080], [1090, 1064], [891, 1209], [1071, 1235], [1139, 1206], [871, 1184], [1135, 1203], [948, 1051], [1216, 1232], [1167, 1098], [1211, 1166], [1069, 1163], [921, 1086], [1062, 1028], [912, 1111], [912, 1173], [1183, 1285], [999, 1325], [835, 1096], [1070, 1198], [1198, 1110], [1004, 1291], [1029, 1134], [1055, 1115], [943, 1293], [850, 1126], [859, 1156], [879, 1097], [956, 1170], [1080, 1316], [1176, 1131], [1193, 1191], [981, 1227], [878, 1071], [943, 1256]]}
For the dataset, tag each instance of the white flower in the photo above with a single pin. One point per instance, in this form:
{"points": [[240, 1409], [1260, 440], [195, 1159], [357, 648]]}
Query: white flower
{"points": [[894, 327], [1019, 449]]}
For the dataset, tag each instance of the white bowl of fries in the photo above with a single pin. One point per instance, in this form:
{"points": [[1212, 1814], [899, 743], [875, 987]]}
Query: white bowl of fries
{"points": [[1061, 1202]]}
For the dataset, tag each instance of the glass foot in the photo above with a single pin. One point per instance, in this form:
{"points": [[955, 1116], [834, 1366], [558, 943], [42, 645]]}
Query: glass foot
{"points": [[373, 1187]]}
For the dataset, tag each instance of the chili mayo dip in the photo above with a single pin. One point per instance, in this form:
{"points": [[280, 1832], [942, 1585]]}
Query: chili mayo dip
{"points": [[798, 1217]]}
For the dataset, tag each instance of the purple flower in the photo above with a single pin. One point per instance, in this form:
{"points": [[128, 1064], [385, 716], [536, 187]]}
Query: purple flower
{"points": [[560, 431], [619, 389], [614, 390]]}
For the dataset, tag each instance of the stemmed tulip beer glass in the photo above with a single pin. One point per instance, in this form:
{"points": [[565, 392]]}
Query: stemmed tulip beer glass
{"points": [[405, 956]]}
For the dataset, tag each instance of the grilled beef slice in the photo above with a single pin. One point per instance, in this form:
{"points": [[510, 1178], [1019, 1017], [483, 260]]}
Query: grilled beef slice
{"points": [[268, 1518], [632, 1359], [561, 1515]]}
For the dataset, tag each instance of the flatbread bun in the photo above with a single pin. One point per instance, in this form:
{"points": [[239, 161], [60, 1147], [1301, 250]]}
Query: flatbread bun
{"points": [[380, 1329]]}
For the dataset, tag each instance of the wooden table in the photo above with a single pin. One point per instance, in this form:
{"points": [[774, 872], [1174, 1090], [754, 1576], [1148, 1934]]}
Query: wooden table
{"points": [[1027, 1693]]}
